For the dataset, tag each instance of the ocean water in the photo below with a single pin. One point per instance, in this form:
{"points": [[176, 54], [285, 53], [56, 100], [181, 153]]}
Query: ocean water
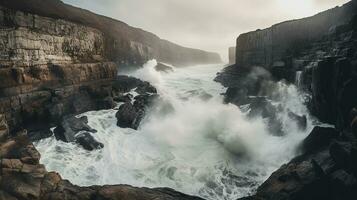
{"points": [[189, 140]]}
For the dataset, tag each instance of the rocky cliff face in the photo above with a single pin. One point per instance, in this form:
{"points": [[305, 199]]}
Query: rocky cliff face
{"points": [[48, 66], [124, 45], [319, 51], [273, 46], [319, 55]]}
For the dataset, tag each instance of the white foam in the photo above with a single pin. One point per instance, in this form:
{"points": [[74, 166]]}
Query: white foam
{"points": [[200, 147]]}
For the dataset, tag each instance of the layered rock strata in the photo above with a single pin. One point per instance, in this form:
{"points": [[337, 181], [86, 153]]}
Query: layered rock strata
{"points": [[273, 46], [319, 55], [50, 68], [124, 44]]}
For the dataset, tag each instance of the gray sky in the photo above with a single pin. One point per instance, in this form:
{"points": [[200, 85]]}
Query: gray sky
{"points": [[211, 25]]}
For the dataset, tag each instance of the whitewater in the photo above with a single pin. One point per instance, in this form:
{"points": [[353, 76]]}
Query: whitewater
{"points": [[189, 140]]}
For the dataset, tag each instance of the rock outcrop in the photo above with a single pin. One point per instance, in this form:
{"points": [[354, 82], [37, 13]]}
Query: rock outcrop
{"points": [[23, 177], [124, 44], [326, 169], [50, 68], [272, 47], [132, 111], [319, 55]]}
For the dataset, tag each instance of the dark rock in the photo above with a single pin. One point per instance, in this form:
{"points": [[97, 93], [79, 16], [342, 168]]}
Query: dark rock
{"points": [[160, 67], [129, 116], [36, 135], [236, 95], [70, 126], [341, 153], [123, 98], [107, 103], [319, 137], [344, 185], [126, 84], [87, 141]]}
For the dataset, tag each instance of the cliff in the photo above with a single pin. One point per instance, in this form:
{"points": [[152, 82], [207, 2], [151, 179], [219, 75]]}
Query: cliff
{"points": [[232, 55], [319, 55], [47, 66], [272, 46], [124, 44]]}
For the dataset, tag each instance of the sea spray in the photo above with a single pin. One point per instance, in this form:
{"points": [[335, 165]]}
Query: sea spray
{"points": [[197, 146]]}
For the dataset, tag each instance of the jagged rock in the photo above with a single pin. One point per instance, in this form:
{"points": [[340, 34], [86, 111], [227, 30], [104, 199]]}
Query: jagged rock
{"points": [[160, 67], [123, 98], [320, 137], [36, 135], [129, 116], [87, 141], [70, 126], [126, 84]]}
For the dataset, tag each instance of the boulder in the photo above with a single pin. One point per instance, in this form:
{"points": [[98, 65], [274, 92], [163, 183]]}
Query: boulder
{"points": [[129, 116], [124, 84], [70, 126], [87, 141]]}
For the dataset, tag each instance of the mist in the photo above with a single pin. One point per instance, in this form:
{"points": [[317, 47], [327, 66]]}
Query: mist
{"points": [[211, 25]]}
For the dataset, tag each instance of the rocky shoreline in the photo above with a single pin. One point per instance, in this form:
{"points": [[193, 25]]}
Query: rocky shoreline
{"points": [[53, 67], [323, 67]]}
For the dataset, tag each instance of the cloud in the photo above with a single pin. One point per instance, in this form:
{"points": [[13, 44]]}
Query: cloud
{"points": [[206, 24]]}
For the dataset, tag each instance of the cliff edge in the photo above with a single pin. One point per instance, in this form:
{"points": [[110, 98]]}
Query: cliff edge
{"points": [[125, 45]]}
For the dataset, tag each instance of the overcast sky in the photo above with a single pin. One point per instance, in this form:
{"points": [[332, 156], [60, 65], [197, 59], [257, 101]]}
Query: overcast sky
{"points": [[211, 25]]}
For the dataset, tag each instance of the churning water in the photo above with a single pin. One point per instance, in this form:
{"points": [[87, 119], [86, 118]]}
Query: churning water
{"points": [[190, 141]]}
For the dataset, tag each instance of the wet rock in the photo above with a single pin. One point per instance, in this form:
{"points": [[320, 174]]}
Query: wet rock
{"points": [[70, 126], [106, 103], [129, 116], [320, 137], [125, 84], [123, 98], [36, 135], [160, 67], [87, 141]]}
